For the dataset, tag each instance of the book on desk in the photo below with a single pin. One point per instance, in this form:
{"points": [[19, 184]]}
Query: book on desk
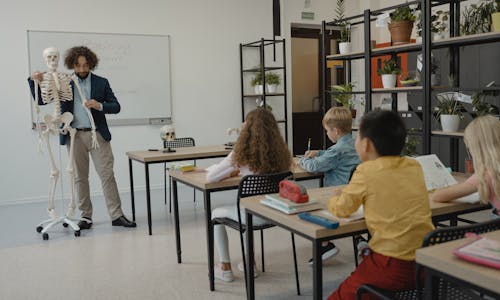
{"points": [[289, 207]]}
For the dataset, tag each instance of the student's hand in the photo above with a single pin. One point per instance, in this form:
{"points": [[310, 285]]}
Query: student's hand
{"points": [[311, 153], [37, 76], [93, 104]]}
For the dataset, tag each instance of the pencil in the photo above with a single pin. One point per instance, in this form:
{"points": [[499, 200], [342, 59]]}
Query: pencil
{"points": [[309, 145]]}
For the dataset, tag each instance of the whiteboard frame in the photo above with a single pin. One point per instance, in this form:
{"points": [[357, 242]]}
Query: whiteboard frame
{"points": [[113, 122]]}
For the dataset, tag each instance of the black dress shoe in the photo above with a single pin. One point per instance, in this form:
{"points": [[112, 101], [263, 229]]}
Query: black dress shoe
{"points": [[122, 221], [84, 224]]}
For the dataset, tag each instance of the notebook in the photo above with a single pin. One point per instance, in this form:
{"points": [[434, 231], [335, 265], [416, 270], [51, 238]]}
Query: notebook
{"points": [[357, 215], [289, 207], [482, 251]]}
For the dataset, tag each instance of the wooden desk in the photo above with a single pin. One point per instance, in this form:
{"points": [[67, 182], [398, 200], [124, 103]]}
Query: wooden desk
{"points": [[439, 262], [155, 157], [198, 181], [317, 234]]}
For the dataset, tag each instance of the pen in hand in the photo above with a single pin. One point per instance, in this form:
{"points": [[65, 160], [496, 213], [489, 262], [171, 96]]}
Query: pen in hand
{"points": [[309, 145]]}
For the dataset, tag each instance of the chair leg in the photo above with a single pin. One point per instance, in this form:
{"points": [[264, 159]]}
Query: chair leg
{"points": [[262, 249], [355, 248], [295, 265], [165, 181], [170, 196]]}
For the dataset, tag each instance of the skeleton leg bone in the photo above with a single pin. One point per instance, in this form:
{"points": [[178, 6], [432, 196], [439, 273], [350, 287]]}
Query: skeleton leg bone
{"points": [[54, 172]]}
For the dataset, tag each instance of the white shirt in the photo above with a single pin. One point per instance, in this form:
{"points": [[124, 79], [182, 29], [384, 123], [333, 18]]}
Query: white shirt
{"points": [[224, 169]]}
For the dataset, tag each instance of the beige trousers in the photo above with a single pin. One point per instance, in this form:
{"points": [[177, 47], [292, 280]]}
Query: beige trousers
{"points": [[103, 160]]}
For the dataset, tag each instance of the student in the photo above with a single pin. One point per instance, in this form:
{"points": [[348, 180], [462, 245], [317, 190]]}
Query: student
{"points": [[482, 138], [260, 149], [396, 206], [336, 162]]}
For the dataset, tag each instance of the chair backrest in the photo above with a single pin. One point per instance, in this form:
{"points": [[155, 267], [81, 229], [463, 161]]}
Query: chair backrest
{"points": [[352, 172], [179, 143], [447, 234], [252, 185]]}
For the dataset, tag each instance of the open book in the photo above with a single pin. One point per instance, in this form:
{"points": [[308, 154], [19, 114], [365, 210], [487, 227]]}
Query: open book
{"points": [[437, 176]]}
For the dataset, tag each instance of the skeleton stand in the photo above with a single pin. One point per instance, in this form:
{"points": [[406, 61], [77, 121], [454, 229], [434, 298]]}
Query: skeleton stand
{"points": [[58, 123]]}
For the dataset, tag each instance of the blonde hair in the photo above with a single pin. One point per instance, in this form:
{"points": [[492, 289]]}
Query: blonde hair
{"points": [[482, 138], [338, 117]]}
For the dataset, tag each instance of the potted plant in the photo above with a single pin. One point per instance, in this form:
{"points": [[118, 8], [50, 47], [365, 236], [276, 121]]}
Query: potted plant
{"points": [[439, 24], [272, 82], [401, 25], [343, 95], [345, 29], [449, 111], [411, 142], [477, 18], [481, 107], [389, 73], [257, 83], [495, 18]]}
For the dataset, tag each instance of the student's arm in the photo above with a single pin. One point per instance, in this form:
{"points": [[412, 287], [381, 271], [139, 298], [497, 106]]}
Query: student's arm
{"points": [[323, 162], [453, 192], [222, 170], [351, 197]]}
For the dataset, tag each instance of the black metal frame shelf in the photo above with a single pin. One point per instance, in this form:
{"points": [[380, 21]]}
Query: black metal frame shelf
{"points": [[260, 45], [403, 89]]}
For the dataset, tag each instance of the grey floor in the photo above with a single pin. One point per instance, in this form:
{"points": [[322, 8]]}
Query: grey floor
{"points": [[117, 263]]}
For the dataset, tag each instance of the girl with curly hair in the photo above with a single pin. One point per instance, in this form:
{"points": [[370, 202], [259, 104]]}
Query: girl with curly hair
{"points": [[260, 149]]}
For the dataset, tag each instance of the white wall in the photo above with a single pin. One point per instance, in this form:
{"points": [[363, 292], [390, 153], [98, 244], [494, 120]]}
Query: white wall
{"points": [[205, 76]]}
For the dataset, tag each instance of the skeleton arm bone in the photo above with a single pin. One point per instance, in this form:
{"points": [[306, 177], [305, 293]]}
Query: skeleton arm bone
{"points": [[89, 114]]}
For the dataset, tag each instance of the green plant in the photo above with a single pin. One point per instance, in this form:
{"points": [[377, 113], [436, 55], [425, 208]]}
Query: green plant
{"points": [[482, 107], [273, 78], [403, 13], [448, 104], [477, 18], [343, 94], [498, 5], [438, 21], [411, 142], [257, 79], [390, 67], [345, 27]]}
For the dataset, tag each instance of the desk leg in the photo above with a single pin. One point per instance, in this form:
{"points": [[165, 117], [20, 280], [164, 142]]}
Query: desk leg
{"points": [[317, 271], [131, 176], [250, 258], [176, 221], [210, 238], [148, 197]]}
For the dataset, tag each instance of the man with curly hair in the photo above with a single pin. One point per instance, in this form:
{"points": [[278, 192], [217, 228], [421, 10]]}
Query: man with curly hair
{"points": [[101, 100]]}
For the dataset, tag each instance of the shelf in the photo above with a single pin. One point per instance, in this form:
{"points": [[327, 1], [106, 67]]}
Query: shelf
{"points": [[353, 55], [255, 70], [473, 39], [339, 93], [411, 47], [457, 89], [280, 121], [398, 89], [440, 132], [261, 95]]}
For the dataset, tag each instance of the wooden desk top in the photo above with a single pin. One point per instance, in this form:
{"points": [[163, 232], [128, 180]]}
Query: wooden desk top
{"points": [[323, 195], [184, 153], [198, 178], [440, 258]]}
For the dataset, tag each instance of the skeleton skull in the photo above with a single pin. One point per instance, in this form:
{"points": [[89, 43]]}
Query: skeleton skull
{"points": [[51, 56], [167, 133]]}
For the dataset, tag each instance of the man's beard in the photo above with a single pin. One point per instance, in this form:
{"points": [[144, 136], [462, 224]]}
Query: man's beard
{"points": [[82, 75]]}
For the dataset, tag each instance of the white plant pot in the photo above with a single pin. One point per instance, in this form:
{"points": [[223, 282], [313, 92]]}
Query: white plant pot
{"points": [[418, 40], [271, 88], [389, 80], [345, 47], [258, 89], [450, 123]]}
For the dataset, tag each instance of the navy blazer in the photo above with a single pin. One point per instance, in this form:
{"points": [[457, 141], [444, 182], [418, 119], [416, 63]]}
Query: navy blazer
{"points": [[101, 91]]}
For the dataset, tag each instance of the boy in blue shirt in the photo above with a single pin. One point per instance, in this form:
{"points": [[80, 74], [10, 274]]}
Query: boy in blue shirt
{"points": [[336, 162]]}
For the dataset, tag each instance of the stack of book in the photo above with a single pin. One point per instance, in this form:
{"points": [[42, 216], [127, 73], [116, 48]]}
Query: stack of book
{"points": [[289, 207]]}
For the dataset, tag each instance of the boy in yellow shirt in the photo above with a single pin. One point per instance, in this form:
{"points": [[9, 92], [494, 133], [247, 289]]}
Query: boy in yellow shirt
{"points": [[396, 206]]}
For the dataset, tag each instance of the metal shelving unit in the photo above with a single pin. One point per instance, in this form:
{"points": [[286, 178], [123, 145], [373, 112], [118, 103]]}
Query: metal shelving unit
{"points": [[453, 43], [260, 46]]}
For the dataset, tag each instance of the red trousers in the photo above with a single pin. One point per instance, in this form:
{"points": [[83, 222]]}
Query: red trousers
{"points": [[380, 271]]}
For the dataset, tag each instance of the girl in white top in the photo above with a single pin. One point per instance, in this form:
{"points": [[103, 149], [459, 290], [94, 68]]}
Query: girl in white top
{"points": [[260, 149], [482, 138]]}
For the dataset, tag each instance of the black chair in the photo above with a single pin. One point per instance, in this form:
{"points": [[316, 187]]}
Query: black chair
{"points": [[447, 290], [252, 185], [176, 143]]}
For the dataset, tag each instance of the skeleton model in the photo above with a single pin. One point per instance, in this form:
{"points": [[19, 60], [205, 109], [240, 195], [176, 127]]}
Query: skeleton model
{"points": [[55, 87], [167, 133]]}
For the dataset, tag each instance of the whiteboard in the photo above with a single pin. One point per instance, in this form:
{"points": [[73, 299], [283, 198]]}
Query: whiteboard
{"points": [[137, 67]]}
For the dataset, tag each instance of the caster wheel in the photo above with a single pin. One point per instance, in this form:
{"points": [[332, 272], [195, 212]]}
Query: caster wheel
{"points": [[45, 236], [65, 225], [77, 233], [39, 229]]}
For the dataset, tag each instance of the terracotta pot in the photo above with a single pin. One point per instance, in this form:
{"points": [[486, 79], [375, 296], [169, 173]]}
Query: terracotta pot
{"points": [[400, 32]]}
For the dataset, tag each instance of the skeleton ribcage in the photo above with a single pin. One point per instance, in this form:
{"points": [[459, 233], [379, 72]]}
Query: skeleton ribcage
{"points": [[50, 89]]}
